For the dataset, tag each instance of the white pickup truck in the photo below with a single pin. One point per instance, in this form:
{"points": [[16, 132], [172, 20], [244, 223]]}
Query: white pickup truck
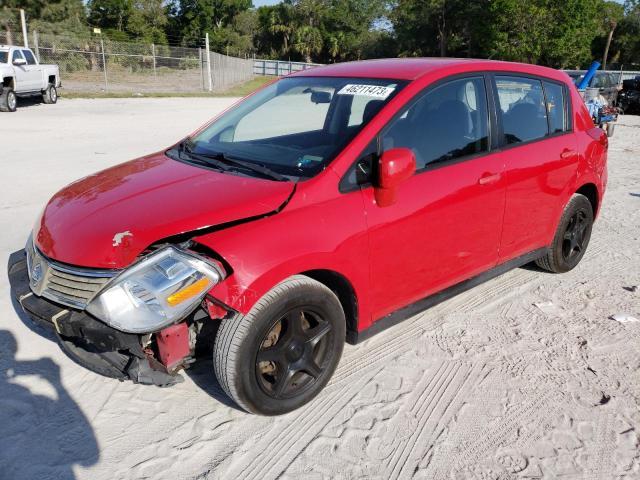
{"points": [[22, 76]]}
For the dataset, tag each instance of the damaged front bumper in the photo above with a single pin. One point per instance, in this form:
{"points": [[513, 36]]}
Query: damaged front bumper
{"points": [[86, 340]]}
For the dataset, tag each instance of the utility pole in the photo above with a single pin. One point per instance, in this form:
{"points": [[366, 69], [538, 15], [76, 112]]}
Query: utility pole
{"points": [[208, 54], [104, 63], [153, 53], [36, 44], [25, 40]]}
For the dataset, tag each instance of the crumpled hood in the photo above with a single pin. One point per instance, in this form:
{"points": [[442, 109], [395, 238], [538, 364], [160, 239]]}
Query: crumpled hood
{"points": [[107, 219]]}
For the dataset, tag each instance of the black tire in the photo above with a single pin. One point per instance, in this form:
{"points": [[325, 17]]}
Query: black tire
{"points": [[282, 328], [50, 95], [572, 236], [8, 100]]}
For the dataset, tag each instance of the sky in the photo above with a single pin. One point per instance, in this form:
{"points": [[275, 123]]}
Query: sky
{"points": [[259, 3]]}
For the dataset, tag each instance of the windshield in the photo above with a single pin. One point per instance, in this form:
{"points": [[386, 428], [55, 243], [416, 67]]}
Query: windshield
{"points": [[297, 125], [3, 56]]}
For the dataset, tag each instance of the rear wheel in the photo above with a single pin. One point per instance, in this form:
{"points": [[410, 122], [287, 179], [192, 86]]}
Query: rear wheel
{"points": [[571, 238], [284, 351], [8, 100], [50, 95]]}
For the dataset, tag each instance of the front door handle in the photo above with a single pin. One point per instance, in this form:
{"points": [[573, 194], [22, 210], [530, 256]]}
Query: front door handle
{"points": [[489, 178], [567, 153]]}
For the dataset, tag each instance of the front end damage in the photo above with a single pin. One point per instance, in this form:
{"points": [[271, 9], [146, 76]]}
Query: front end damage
{"points": [[146, 358]]}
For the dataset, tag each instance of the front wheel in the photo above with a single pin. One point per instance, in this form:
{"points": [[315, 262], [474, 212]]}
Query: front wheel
{"points": [[284, 351], [50, 95], [8, 100], [571, 238]]}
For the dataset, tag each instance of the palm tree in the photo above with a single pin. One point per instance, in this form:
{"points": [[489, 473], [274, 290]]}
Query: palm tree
{"points": [[307, 41], [281, 22]]}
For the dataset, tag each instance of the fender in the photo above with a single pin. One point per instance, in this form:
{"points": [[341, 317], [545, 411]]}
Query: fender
{"points": [[583, 177], [266, 251]]}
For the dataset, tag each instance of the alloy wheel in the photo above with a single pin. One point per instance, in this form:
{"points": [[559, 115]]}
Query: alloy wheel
{"points": [[574, 236], [294, 353]]}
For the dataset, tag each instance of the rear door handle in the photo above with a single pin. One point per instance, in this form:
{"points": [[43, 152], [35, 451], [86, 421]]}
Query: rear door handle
{"points": [[489, 178], [567, 154]]}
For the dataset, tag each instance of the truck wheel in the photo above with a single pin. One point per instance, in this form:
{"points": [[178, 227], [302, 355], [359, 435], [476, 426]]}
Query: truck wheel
{"points": [[8, 100], [284, 351], [571, 238], [50, 95]]}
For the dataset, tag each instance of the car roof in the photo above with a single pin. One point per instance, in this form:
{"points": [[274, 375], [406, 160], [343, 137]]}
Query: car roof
{"points": [[414, 68]]}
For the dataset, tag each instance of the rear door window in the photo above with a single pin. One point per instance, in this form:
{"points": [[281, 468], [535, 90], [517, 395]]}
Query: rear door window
{"points": [[522, 109], [556, 107], [29, 57]]}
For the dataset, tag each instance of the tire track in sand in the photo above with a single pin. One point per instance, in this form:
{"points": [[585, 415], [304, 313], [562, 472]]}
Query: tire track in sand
{"points": [[274, 452], [366, 361], [437, 397]]}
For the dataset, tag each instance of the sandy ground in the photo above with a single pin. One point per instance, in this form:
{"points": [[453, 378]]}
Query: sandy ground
{"points": [[526, 376]]}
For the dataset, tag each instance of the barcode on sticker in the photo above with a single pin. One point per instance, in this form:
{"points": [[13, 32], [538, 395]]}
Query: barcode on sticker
{"points": [[367, 90]]}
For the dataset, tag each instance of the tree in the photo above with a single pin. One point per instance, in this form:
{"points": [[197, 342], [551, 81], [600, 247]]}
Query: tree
{"points": [[110, 14], [281, 23], [193, 18], [613, 13], [307, 41], [625, 45], [436, 27], [148, 21]]}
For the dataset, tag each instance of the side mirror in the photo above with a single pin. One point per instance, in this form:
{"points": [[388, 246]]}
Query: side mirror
{"points": [[19, 62], [396, 165]]}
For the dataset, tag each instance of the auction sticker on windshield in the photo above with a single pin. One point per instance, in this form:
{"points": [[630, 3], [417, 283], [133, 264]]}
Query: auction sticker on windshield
{"points": [[367, 90]]}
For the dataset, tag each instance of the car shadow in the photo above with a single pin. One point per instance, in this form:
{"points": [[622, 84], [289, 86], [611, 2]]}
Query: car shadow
{"points": [[42, 435], [202, 374], [532, 267], [30, 101]]}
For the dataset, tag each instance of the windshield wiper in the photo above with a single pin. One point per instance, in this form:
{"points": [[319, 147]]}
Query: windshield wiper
{"points": [[221, 158], [185, 151], [224, 162]]}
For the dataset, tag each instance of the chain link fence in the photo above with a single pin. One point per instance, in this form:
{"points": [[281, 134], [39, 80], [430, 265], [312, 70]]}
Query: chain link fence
{"points": [[93, 63]]}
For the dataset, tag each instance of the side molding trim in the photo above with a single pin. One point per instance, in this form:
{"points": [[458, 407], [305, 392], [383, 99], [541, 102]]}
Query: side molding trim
{"points": [[409, 311]]}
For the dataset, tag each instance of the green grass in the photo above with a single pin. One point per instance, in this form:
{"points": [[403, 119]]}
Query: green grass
{"points": [[239, 90]]}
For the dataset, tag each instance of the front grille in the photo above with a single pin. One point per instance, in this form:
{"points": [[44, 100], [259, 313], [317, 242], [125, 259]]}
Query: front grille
{"points": [[71, 286]]}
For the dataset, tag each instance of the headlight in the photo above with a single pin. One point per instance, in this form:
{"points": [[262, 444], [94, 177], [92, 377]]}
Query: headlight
{"points": [[156, 292]]}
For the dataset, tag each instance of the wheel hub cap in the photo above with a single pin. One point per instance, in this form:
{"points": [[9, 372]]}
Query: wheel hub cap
{"points": [[294, 352]]}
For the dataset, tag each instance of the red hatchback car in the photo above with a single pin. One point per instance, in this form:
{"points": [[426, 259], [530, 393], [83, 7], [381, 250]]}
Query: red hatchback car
{"points": [[324, 208]]}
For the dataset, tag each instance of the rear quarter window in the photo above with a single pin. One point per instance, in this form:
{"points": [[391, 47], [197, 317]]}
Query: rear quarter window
{"points": [[556, 107]]}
